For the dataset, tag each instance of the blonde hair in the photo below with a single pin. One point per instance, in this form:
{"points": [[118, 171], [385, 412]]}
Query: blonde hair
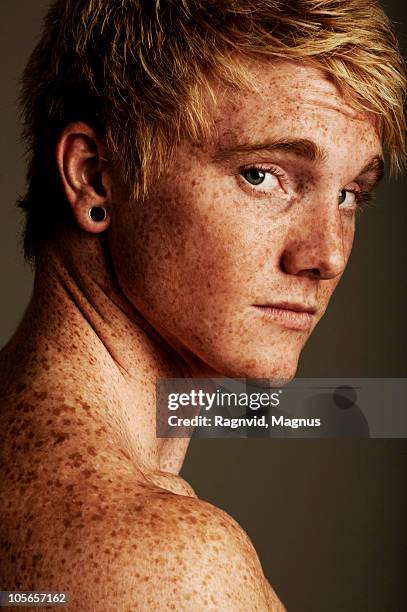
{"points": [[139, 72]]}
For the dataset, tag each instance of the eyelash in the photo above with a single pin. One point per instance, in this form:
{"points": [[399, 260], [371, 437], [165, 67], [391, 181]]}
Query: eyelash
{"points": [[363, 198], [274, 170]]}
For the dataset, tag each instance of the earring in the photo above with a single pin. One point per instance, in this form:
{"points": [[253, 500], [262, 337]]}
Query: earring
{"points": [[98, 213]]}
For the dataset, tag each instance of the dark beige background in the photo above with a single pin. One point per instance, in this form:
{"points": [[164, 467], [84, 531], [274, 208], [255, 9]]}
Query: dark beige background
{"points": [[327, 517]]}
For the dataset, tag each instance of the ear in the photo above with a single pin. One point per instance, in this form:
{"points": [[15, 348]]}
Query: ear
{"points": [[85, 175]]}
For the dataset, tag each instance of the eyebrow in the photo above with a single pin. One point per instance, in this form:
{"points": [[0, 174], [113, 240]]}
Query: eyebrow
{"points": [[374, 166], [301, 147]]}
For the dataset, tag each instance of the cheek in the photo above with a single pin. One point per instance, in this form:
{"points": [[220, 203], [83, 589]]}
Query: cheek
{"points": [[325, 291], [179, 251], [348, 234]]}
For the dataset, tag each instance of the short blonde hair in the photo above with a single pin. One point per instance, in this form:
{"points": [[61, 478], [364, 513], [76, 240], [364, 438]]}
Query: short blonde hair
{"points": [[139, 71]]}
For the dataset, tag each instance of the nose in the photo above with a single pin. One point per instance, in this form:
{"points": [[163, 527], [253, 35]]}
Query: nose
{"points": [[316, 246]]}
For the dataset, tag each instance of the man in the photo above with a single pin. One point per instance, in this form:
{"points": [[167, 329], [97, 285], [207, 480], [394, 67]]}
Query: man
{"points": [[196, 170]]}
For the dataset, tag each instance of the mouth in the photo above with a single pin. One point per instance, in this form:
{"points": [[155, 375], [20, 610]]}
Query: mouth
{"points": [[291, 315]]}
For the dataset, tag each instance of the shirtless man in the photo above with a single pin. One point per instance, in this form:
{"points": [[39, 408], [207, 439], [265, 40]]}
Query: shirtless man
{"points": [[222, 267]]}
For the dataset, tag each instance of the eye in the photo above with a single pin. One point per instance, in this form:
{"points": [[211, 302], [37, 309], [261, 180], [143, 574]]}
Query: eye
{"points": [[259, 177], [347, 197]]}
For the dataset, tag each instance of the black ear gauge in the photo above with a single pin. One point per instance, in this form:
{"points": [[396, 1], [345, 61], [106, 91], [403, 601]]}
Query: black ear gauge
{"points": [[98, 213]]}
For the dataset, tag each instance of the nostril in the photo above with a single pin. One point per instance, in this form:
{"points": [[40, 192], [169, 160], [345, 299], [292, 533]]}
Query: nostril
{"points": [[282, 266]]}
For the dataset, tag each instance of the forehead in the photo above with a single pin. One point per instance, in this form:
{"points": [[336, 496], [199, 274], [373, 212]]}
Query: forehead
{"points": [[293, 98]]}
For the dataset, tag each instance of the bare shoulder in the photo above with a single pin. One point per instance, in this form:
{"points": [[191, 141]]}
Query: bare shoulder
{"points": [[172, 552]]}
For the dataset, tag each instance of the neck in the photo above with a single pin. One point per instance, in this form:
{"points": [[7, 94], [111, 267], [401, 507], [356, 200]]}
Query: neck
{"points": [[82, 337]]}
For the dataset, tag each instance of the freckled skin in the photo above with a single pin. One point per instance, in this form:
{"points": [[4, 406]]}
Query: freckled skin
{"points": [[91, 501]]}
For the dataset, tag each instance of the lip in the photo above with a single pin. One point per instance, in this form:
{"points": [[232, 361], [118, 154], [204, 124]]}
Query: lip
{"points": [[291, 315]]}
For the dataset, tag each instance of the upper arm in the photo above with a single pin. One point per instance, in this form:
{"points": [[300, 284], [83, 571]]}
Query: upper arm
{"points": [[199, 559], [170, 552], [273, 602]]}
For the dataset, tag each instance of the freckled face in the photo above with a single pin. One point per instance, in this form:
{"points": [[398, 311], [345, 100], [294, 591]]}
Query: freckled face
{"points": [[243, 232]]}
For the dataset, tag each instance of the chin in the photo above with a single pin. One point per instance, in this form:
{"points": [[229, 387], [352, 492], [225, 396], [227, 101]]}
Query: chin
{"points": [[277, 365], [280, 373]]}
